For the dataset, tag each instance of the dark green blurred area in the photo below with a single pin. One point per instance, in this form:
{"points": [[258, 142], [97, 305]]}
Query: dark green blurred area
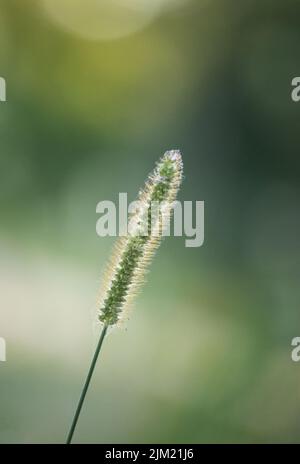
{"points": [[206, 354]]}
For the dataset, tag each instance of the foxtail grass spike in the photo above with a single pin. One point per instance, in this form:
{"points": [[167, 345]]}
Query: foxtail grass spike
{"points": [[134, 251]]}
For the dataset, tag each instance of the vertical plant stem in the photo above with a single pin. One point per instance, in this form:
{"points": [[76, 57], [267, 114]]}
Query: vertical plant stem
{"points": [[86, 385]]}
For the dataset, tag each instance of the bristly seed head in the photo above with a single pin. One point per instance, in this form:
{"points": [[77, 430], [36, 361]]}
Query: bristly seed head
{"points": [[133, 252]]}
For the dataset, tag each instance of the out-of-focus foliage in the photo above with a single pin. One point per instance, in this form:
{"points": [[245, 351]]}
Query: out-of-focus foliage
{"points": [[206, 357]]}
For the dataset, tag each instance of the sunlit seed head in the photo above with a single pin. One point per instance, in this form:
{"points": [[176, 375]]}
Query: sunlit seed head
{"points": [[133, 253]]}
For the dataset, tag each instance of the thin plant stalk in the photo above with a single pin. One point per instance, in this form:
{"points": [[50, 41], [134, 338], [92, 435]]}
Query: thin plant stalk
{"points": [[86, 385], [133, 253]]}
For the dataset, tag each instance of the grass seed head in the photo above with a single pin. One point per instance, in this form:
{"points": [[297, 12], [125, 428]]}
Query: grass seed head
{"points": [[133, 253]]}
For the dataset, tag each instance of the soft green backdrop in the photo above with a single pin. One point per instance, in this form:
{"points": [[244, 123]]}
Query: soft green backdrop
{"points": [[94, 97]]}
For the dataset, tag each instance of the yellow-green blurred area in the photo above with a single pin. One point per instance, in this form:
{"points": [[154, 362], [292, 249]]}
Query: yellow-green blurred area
{"points": [[96, 92]]}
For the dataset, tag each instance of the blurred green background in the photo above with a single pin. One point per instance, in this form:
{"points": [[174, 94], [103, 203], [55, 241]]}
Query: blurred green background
{"points": [[96, 92]]}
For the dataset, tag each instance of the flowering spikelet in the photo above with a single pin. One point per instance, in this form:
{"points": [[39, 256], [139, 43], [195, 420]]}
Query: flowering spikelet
{"points": [[133, 252]]}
